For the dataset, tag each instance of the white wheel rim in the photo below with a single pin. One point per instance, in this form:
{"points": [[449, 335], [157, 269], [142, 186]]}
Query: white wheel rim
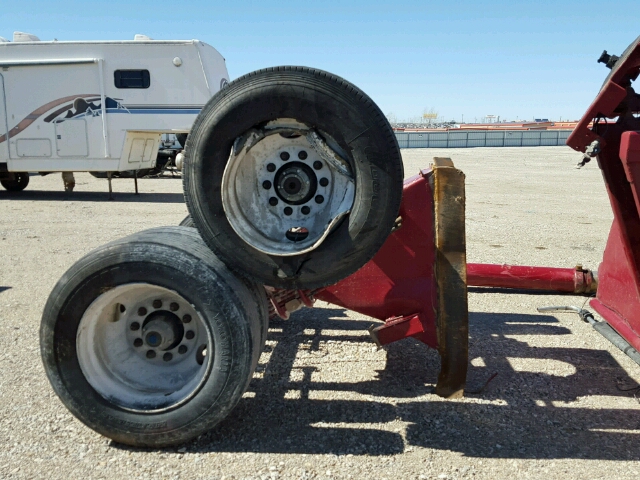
{"points": [[120, 328], [285, 188]]}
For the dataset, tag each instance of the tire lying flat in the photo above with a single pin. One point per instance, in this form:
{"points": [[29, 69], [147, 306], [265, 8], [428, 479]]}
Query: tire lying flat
{"points": [[96, 352], [345, 118]]}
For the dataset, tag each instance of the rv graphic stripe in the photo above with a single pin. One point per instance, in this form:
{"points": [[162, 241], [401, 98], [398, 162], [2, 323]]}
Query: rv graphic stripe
{"points": [[33, 116], [82, 105]]}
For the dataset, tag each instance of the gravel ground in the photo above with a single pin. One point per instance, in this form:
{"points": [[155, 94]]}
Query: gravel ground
{"points": [[325, 403]]}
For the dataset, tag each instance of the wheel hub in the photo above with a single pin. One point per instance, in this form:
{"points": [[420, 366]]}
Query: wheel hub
{"points": [[281, 206], [295, 183], [162, 330], [143, 347]]}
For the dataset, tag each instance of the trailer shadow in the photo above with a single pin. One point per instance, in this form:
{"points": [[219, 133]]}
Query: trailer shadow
{"points": [[520, 414], [122, 197], [2, 289]]}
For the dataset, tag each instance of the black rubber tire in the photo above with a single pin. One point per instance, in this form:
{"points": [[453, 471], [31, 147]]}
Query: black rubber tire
{"points": [[333, 106], [257, 290], [17, 184], [177, 259], [187, 222]]}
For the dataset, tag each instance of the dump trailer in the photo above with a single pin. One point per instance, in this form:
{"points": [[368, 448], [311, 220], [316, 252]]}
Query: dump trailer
{"points": [[98, 106]]}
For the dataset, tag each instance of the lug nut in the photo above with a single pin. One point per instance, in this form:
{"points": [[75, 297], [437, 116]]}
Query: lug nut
{"points": [[324, 182], [174, 307], [151, 354], [134, 326], [142, 311], [317, 164], [157, 303], [167, 357], [271, 167], [137, 342], [273, 201], [305, 210], [186, 318], [266, 184], [285, 156], [190, 334], [319, 199], [182, 349], [288, 211], [302, 155]]}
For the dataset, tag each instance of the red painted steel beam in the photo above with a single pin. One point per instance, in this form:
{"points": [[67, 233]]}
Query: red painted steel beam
{"points": [[565, 280]]}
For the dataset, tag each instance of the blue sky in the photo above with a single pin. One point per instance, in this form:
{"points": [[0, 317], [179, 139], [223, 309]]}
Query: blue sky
{"points": [[509, 58]]}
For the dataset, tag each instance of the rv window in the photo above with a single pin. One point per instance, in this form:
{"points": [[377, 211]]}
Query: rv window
{"points": [[131, 78]]}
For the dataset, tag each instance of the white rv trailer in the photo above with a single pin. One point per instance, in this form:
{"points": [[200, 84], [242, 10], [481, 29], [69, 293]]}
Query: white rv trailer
{"points": [[97, 105]]}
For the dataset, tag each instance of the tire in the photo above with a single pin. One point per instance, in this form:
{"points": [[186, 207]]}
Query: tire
{"points": [[133, 398], [187, 222], [257, 291], [18, 183], [341, 113]]}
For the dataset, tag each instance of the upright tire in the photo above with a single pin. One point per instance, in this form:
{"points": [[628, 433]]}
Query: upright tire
{"points": [[18, 183], [317, 195], [151, 340]]}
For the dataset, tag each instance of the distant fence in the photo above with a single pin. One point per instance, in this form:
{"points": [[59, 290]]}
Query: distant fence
{"points": [[486, 138]]}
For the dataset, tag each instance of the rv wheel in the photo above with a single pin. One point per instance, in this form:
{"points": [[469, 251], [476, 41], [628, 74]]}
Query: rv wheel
{"points": [[151, 340], [293, 177], [16, 182]]}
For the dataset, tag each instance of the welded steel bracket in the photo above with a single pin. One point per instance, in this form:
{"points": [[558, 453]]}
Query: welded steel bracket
{"points": [[452, 320]]}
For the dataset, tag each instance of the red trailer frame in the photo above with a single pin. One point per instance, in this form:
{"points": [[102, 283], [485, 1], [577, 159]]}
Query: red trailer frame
{"points": [[417, 282]]}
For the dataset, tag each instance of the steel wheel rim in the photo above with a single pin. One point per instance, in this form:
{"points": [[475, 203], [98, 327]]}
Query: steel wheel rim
{"points": [[120, 328], [285, 187]]}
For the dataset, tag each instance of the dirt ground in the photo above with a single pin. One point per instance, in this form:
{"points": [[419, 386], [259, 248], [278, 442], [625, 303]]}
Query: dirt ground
{"points": [[325, 403]]}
